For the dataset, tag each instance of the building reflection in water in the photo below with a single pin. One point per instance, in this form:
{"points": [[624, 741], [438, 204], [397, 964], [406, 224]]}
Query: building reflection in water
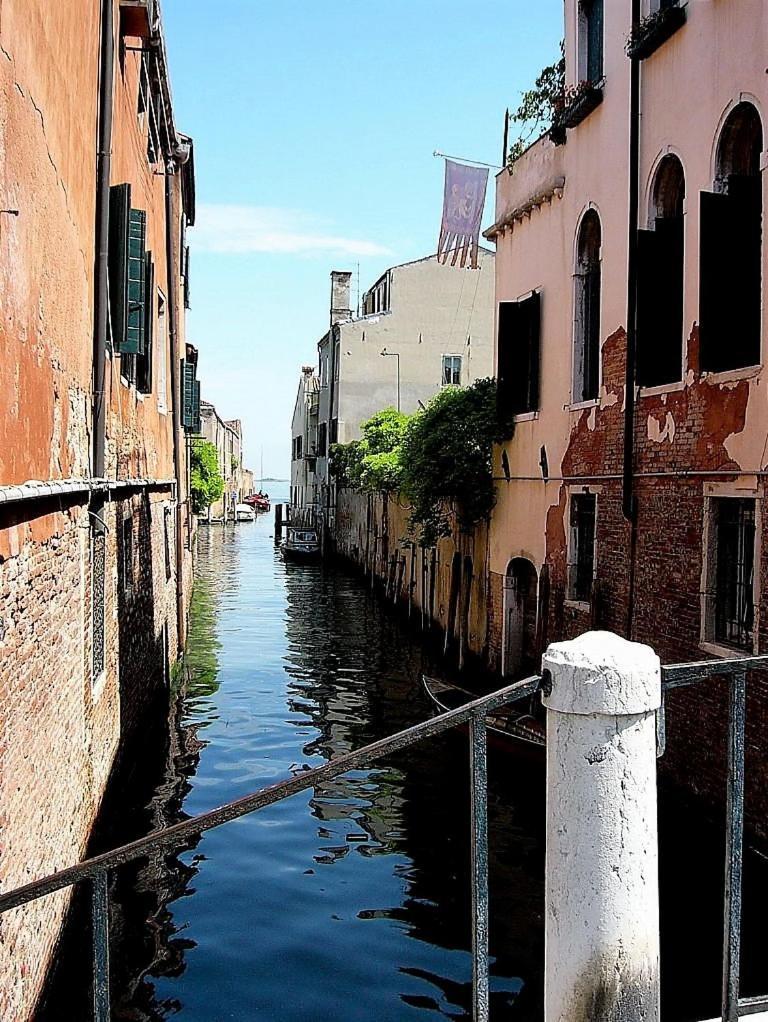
{"points": [[348, 675]]}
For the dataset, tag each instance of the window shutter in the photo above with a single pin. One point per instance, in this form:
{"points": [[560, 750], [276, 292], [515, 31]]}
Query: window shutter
{"points": [[647, 320], [119, 212], [509, 316], [188, 394], [533, 315], [135, 336], [730, 276], [145, 367], [518, 356], [187, 303], [196, 424]]}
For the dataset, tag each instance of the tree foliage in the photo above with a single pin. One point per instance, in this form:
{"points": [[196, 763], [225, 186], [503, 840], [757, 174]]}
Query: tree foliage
{"points": [[373, 462], [539, 106], [206, 482], [439, 458], [447, 458]]}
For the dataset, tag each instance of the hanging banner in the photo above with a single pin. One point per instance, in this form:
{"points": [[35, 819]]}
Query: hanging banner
{"points": [[463, 202]]}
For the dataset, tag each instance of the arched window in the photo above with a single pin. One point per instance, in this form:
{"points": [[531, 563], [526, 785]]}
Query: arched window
{"points": [[660, 282], [586, 341], [730, 283]]}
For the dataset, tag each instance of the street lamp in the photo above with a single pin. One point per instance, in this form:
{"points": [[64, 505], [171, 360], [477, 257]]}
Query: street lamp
{"points": [[394, 354]]}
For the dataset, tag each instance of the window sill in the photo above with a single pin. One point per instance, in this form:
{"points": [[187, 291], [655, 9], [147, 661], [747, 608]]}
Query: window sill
{"points": [[525, 417], [581, 605], [731, 375], [654, 31], [581, 106], [661, 388], [725, 652], [579, 406]]}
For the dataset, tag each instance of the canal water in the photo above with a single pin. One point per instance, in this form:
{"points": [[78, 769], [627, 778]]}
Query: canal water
{"points": [[351, 901]]}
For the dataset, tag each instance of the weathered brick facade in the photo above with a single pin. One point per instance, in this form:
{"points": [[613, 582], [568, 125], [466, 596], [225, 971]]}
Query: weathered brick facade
{"points": [[64, 711], [699, 427]]}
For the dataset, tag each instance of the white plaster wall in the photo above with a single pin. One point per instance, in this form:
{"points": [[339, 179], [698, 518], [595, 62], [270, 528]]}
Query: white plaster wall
{"points": [[435, 310]]}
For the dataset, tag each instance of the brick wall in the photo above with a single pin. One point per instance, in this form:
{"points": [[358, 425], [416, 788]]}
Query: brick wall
{"points": [[58, 733]]}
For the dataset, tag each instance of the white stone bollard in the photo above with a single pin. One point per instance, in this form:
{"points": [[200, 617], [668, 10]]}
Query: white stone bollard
{"points": [[602, 894]]}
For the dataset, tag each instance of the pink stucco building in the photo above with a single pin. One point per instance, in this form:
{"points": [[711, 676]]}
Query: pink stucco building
{"points": [[630, 248]]}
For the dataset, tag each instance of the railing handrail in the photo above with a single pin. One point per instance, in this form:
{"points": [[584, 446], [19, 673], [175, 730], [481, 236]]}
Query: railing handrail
{"points": [[177, 833]]}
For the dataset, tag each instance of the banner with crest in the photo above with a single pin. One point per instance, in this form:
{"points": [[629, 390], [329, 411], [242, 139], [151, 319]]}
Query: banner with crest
{"points": [[463, 202]]}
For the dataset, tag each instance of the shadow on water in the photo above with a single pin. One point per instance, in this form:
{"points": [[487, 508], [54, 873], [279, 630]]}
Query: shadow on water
{"points": [[350, 900]]}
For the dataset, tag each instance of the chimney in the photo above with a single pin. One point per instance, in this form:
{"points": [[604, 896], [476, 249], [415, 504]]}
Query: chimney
{"points": [[341, 287]]}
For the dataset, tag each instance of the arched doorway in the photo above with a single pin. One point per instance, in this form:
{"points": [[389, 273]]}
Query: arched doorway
{"points": [[519, 627]]}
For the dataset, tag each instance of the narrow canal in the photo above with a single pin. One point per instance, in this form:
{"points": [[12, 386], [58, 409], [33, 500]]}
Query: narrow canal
{"points": [[350, 901]]}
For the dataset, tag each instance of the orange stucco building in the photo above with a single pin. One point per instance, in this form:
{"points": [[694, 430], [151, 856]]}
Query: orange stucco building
{"points": [[96, 533]]}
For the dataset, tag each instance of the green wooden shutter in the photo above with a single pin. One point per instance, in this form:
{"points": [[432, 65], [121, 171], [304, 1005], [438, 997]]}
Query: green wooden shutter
{"points": [[188, 383], [135, 337], [119, 212], [197, 425], [145, 361]]}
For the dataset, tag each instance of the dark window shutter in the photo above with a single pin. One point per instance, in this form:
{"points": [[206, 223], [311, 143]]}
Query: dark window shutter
{"points": [[188, 396], [505, 362], [518, 356], [119, 213], [187, 303], [144, 381], [730, 276], [135, 337], [647, 319], [533, 332], [660, 303], [590, 384], [196, 424]]}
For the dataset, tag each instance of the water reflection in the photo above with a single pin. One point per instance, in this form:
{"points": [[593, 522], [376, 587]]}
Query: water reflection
{"points": [[350, 900]]}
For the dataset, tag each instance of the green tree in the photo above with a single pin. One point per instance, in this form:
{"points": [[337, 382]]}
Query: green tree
{"points": [[207, 484], [446, 457], [372, 463]]}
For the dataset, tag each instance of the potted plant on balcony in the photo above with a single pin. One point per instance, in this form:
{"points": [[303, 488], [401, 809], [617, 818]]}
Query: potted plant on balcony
{"points": [[580, 101], [654, 30]]}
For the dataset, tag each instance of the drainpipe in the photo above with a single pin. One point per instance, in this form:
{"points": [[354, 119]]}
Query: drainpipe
{"points": [[101, 294], [179, 454], [629, 500]]}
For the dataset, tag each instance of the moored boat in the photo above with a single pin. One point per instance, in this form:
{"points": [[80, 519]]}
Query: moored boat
{"points": [[300, 544], [506, 726]]}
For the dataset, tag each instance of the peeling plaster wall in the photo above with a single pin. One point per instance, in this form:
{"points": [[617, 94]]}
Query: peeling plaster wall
{"points": [[703, 424]]}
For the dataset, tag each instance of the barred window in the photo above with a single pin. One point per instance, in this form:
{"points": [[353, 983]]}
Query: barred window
{"points": [[731, 572], [98, 571], [581, 551]]}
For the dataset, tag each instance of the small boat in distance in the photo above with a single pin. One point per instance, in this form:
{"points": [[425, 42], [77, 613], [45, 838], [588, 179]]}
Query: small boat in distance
{"points": [[509, 724], [300, 544], [259, 502]]}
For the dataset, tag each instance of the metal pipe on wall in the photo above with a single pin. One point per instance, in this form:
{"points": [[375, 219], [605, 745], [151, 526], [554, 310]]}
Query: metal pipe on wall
{"points": [[101, 286], [179, 454]]}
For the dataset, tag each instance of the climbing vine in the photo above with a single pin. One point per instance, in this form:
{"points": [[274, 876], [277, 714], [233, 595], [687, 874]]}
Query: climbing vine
{"points": [[439, 459], [539, 107], [206, 483]]}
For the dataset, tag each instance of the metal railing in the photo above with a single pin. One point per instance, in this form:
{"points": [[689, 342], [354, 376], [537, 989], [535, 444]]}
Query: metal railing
{"points": [[735, 671], [96, 870]]}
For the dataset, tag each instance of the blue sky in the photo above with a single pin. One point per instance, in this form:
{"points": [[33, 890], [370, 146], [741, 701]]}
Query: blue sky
{"points": [[314, 124]]}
